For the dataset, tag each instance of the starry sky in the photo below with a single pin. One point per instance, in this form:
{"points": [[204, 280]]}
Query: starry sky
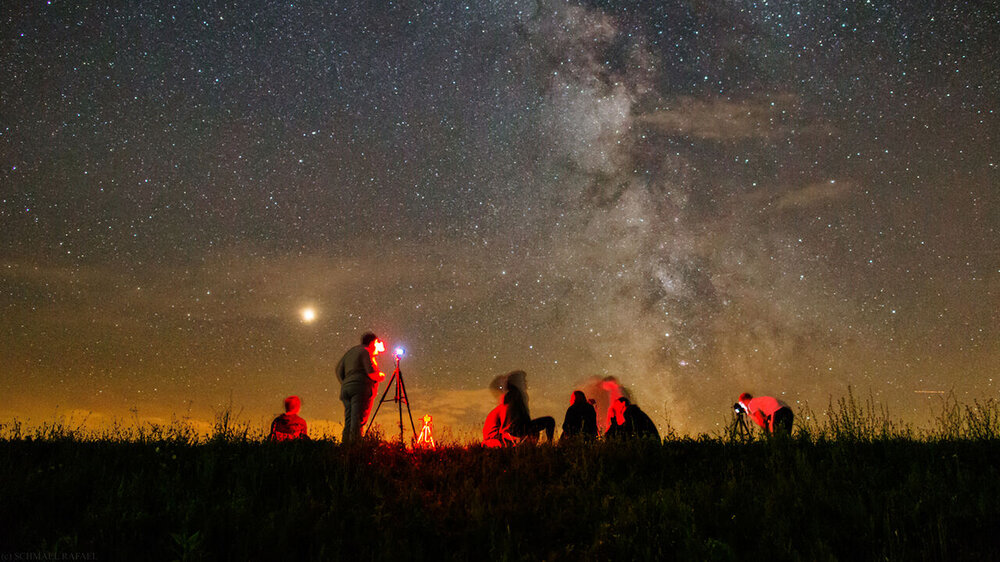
{"points": [[699, 198]]}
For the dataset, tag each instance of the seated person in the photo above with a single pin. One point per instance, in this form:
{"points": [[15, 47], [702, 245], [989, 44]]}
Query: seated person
{"points": [[631, 422], [509, 423], [581, 418], [289, 426], [496, 430], [521, 423]]}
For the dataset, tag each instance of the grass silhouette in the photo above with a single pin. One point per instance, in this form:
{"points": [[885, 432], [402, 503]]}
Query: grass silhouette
{"points": [[857, 486]]}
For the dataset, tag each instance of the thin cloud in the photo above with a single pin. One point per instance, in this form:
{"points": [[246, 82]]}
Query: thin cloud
{"points": [[725, 120], [814, 194]]}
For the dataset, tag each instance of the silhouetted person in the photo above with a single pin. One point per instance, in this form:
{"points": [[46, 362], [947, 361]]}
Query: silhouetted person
{"points": [[581, 418], [359, 377], [521, 423], [771, 414], [630, 421], [289, 426]]}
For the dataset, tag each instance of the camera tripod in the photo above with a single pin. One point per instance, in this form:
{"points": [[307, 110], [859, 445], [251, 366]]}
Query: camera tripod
{"points": [[399, 398], [740, 429]]}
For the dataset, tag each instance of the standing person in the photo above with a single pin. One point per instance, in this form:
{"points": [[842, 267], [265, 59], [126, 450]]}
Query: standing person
{"points": [[581, 418], [289, 426], [359, 377], [771, 414]]}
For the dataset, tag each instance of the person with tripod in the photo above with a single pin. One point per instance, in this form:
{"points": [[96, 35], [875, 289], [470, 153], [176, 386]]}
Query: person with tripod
{"points": [[359, 377], [771, 414]]}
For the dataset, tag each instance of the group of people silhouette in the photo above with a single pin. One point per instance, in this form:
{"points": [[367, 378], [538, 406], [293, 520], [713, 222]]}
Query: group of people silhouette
{"points": [[510, 422]]}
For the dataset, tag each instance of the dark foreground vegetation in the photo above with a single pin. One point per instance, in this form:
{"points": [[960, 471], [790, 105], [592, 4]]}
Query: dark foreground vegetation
{"points": [[830, 493]]}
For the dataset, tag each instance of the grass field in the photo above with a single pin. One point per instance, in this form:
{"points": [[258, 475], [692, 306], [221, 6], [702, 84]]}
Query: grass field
{"points": [[858, 487]]}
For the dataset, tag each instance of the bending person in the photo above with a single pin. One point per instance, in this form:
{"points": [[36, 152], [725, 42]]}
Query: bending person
{"points": [[773, 415]]}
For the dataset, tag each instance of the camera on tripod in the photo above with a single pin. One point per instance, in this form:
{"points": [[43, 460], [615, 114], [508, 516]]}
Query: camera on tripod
{"points": [[400, 398], [740, 429]]}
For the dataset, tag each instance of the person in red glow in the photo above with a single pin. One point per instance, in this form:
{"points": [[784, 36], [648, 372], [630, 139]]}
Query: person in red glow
{"points": [[359, 377], [771, 414], [614, 391], [510, 422], [616, 413], [629, 421], [289, 426], [496, 430]]}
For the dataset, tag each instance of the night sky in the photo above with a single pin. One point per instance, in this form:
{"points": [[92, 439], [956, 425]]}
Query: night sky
{"points": [[699, 198]]}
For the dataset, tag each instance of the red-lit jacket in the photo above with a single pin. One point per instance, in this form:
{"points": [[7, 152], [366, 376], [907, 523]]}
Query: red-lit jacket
{"points": [[496, 430], [762, 409], [288, 427]]}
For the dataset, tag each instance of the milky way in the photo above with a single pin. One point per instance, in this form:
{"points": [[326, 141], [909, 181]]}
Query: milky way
{"points": [[699, 199]]}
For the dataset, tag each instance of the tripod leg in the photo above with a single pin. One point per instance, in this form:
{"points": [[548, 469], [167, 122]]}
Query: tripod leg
{"points": [[400, 397], [382, 400], [744, 429], [412, 426]]}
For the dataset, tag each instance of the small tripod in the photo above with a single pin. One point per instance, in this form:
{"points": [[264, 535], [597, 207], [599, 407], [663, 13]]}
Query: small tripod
{"points": [[740, 429], [399, 398], [426, 438]]}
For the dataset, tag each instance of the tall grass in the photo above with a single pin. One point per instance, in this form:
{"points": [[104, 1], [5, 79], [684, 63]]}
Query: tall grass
{"points": [[868, 421], [850, 419], [853, 485], [978, 421]]}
